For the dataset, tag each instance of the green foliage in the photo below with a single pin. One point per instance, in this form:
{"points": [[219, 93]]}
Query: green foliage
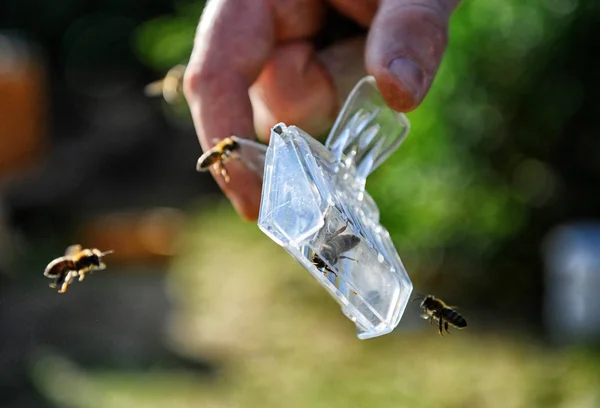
{"points": [[167, 41], [441, 187]]}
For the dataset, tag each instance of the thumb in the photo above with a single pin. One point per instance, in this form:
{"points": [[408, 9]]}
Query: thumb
{"points": [[405, 46]]}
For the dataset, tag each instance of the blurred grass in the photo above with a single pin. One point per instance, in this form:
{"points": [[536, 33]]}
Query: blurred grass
{"points": [[417, 371], [281, 340]]}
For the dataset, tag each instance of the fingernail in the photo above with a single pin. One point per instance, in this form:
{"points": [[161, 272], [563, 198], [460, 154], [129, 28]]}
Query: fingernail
{"points": [[409, 74]]}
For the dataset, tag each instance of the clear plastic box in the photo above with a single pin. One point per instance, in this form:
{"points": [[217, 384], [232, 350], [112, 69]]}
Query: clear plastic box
{"points": [[314, 205]]}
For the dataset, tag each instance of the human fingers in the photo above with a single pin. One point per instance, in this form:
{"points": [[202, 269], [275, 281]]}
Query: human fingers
{"points": [[233, 42], [405, 46]]}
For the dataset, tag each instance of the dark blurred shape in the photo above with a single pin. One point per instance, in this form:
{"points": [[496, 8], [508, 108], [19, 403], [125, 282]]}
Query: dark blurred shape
{"points": [[572, 263]]}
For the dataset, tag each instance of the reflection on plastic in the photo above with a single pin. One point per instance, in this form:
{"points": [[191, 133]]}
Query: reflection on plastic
{"points": [[314, 205]]}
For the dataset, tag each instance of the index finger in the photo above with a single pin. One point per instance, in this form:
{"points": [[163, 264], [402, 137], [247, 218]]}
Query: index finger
{"points": [[233, 42]]}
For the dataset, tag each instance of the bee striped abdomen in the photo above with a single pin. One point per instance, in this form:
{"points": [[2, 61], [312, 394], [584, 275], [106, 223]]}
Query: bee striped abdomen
{"points": [[453, 318], [209, 160], [59, 268]]}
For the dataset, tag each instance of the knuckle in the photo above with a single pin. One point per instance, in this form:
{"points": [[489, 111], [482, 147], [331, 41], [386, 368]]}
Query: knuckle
{"points": [[196, 78]]}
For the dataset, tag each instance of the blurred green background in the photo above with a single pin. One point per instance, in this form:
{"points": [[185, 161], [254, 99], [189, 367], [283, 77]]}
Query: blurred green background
{"points": [[199, 308]]}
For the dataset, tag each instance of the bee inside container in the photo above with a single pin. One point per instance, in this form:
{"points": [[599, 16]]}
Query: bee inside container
{"points": [[315, 206]]}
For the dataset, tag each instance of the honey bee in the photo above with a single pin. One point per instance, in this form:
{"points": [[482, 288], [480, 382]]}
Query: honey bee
{"points": [[170, 87], [436, 309], [251, 153], [331, 251], [218, 156], [75, 263]]}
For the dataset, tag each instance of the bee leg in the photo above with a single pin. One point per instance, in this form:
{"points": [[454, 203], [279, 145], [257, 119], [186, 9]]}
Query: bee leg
{"points": [[327, 269], [347, 257], [66, 283], [338, 232], [440, 328], [430, 320], [81, 275], [221, 168], [446, 327]]}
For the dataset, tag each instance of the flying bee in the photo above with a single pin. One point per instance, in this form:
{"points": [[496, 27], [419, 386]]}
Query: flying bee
{"points": [[436, 309], [170, 87], [251, 153], [332, 249], [75, 263]]}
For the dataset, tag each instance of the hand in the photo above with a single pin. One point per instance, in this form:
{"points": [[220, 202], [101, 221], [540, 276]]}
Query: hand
{"points": [[253, 65]]}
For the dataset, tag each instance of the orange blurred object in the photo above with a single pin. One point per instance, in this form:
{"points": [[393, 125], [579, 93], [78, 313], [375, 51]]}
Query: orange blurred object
{"points": [[149, 237], [22, 106]]}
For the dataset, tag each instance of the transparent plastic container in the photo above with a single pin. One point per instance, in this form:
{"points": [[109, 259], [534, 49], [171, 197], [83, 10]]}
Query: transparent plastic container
{"points": [[314, 205]]}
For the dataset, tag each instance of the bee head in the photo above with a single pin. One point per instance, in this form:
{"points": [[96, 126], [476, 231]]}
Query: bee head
{"points": [[97, 255], [425, 299], [429, 301], [233, 144], [317, 261]]}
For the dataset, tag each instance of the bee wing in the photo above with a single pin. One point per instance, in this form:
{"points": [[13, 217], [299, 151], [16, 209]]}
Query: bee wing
{"points": [[51, 271], [73, 250], [252, 154]]}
